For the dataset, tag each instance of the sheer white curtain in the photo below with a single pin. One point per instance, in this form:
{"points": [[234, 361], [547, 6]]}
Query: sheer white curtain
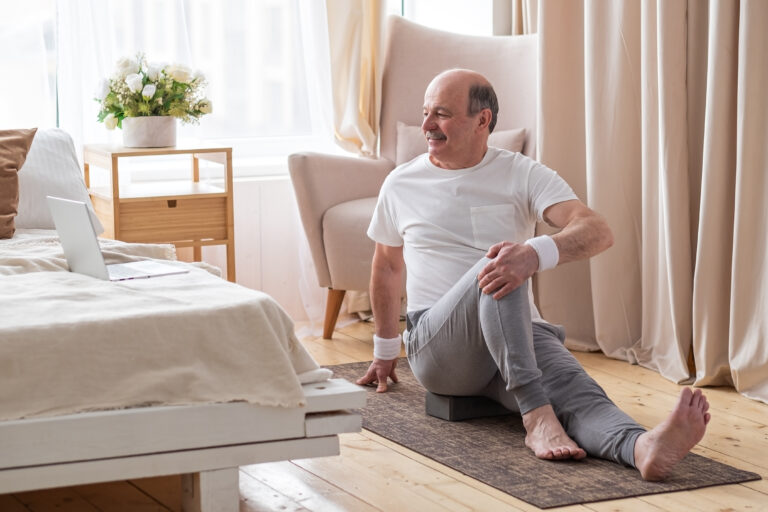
{"points": [[314, 27], [26, 47]]}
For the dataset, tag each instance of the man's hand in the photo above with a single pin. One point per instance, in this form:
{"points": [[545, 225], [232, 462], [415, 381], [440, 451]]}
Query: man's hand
{"points": [[512, 264], [378, 372]]}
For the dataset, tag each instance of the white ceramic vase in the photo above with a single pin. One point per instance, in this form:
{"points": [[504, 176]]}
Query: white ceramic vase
{"points": [[149, 131]]}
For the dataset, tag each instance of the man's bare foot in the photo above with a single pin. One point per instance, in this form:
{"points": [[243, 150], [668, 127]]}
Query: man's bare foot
{"points": [[658, 450], [546, 436]]}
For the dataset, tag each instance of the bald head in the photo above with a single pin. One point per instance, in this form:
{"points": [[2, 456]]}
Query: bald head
{"points": [[475, 87]]}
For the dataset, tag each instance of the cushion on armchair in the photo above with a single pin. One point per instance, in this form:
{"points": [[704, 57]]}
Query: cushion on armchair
{"points": [[14, 146], [344, 235]]}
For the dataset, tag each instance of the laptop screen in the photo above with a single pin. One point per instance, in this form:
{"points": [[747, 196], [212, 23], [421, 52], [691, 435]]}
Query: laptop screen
{"points": [[77, 236]]}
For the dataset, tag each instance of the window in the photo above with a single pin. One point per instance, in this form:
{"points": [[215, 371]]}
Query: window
{"points": [[28, 61], [460, 16], [250, 51]]}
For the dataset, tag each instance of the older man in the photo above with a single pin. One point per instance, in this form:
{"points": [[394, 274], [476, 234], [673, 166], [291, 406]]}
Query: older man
{"points": [[461, 218]]}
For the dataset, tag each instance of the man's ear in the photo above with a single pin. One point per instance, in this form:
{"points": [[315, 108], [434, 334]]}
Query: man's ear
{"points": [[484, 118]]}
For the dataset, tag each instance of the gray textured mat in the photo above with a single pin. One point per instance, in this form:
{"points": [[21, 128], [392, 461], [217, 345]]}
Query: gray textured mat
{"points": [[492, 450]]}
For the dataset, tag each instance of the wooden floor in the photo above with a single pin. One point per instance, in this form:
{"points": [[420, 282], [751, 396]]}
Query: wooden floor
{"points": [[374, 474]]}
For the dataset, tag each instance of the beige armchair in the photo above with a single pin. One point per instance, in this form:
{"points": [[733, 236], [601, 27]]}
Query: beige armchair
{"points": [[336, 195]]}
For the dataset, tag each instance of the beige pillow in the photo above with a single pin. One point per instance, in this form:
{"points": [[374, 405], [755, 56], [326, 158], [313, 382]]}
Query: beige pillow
{"points": [[411, 142], [14, 145]]}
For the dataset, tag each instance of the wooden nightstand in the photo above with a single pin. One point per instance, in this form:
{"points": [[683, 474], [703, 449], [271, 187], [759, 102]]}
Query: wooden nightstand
{"points": [[185, 213]]}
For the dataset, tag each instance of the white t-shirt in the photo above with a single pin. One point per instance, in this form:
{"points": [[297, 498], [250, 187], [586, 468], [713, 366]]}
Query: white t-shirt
{"points": [[447, 219]]}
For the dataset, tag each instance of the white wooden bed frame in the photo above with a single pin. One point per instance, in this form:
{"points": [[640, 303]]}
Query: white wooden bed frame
{"points": [[204, 443]]}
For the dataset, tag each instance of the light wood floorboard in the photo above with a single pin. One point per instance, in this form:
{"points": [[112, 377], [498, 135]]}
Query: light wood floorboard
{"points": [[373, 473]]}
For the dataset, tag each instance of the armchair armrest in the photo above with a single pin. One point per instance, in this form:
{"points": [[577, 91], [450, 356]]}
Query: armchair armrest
{"points": [[321, 181]]}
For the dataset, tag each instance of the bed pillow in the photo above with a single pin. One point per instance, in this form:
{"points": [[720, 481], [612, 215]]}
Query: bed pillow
{"points": [[51, 169], [14, 146], [411, 142]]}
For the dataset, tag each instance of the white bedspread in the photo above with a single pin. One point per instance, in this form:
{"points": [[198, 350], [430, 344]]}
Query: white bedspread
{"points": [[72, 343]]}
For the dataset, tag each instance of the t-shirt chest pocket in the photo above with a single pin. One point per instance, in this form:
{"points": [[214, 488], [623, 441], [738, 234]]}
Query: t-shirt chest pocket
{"points": [[492, 224]]}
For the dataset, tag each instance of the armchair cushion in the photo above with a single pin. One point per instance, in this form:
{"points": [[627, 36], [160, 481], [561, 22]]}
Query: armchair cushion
{"points": [[321, 182], [411, 142], [347, 247]]}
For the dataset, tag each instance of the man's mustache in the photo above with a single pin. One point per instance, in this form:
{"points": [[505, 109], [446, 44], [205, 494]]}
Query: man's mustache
{"points": [[433, 134]]}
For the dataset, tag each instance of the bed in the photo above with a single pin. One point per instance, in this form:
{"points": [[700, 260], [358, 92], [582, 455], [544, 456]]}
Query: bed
{"points": [[181, 374]]}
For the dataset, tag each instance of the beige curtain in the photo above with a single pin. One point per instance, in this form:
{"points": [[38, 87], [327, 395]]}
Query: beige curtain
{"points": [[354, 30], [515, 17], [657, 114]]}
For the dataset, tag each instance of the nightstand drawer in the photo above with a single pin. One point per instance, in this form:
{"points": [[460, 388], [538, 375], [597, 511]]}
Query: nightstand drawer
{"points": [[160, 220]]}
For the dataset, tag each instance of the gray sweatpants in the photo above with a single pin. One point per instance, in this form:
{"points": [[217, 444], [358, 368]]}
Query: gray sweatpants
{"points": [[470, 344]]}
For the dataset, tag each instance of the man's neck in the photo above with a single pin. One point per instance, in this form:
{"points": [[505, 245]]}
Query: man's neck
{"points": [[459, 165]]}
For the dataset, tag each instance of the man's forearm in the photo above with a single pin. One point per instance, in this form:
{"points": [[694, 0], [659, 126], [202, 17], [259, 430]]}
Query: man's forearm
{"points": [[583, 237], [386, 285]]}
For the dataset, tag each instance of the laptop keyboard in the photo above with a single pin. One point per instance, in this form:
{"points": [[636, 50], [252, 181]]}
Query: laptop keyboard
{"points": [[117, 272]]}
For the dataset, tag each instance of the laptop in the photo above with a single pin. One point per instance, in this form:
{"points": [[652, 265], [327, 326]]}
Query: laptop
{"points": [[82, 251]]}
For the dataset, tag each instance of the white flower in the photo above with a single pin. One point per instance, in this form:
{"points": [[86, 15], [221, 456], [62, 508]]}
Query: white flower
{"points": [[126, 66], [198, 75], [110, 121], [148, 91], [205, 106], [102, 90], [152, 71], [133, 81], [179, 73]]}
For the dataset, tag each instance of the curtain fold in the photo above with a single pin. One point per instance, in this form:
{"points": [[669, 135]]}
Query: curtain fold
{"points": [[515, 17], [313, 25], [562, 146], [85, 57], [712, 280], [656, 113], [666, 247], [748, 347], [355, 36], [524, 16]]}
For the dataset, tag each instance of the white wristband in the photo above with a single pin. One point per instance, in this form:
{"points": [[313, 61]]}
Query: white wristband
{"points": [[547, 250], [386, 348]]}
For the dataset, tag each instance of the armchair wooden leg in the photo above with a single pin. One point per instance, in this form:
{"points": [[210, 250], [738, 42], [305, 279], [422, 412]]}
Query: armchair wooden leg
{"points": [[332, 308]]}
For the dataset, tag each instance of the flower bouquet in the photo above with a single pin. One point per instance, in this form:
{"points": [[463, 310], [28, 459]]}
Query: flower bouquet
{"points": [[145, 99], [138, 88]]}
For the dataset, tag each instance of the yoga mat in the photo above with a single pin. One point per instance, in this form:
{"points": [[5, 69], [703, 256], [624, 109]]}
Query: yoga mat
{"points": [[492, 450]]}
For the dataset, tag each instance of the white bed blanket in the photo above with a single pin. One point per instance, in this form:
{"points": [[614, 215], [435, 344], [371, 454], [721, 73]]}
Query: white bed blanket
{"points": [[72, 343]]}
